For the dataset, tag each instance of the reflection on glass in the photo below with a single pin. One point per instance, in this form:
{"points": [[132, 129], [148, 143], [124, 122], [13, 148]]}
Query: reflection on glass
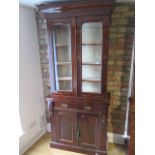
{"points": [[62, 57], [91, 72], [91, 87], [91, 54], [92, 33], [92, 38], [63, 54], [65, 85]]}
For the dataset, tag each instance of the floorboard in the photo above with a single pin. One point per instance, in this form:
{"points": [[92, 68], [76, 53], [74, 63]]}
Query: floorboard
{"points": [[41, 147]]}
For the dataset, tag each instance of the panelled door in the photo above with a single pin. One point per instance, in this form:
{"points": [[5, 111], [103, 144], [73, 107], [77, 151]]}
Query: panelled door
{"points": [[91, 131], [64, 127], [82, 129], [87, 130]]}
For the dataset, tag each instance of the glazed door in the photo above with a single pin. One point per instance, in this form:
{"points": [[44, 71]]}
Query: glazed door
{"points": [[91, 131], [61, 34], [64, 127], [92, 55]]}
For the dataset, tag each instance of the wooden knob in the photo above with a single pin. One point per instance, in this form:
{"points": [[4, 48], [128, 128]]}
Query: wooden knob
{"points": [[64, 105], [87, 107]]}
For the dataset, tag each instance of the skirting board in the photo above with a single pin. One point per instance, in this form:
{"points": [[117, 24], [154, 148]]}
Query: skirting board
{"points": [[115, 138], [32, 142], [112, 138]]}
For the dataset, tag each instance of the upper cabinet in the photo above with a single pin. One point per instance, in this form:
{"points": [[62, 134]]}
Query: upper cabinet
{"points": [[79, 51], [78, 45]]}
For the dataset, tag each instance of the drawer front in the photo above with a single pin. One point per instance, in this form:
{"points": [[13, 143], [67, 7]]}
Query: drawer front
{"points": [[80, 107], [65, 105]]}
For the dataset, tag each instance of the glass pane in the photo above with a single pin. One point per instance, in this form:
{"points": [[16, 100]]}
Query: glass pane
{"points": [[62, 57], [63, 54], [91, 72], [92, 38], [91, 87], [65, 85], [91, 54], [92, 33]]}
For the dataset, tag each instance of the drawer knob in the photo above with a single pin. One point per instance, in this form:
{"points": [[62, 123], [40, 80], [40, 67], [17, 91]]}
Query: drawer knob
{"points": [[87, 107], [64, 105]]}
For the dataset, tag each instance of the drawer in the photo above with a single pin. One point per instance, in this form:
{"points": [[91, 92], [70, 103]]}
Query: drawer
{"points": [[91, 106], [84, 107], [64, 105]]}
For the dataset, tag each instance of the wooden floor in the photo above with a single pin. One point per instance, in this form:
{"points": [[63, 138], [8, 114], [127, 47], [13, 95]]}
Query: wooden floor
{"points": [[41, 147]]}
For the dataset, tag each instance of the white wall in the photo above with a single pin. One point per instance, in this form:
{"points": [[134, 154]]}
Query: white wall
{"points": [[31, 101]]}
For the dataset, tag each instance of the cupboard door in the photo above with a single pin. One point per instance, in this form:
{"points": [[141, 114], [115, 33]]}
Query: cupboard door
{"points": [[91, 131], [64, 127], [91, 56], [62, 56], [92, 53], [62, 38]]}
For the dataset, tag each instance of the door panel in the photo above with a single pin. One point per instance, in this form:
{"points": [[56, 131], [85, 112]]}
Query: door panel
{"points": [[91, 131], [90, 51], [91, 68], [88, 130], [92, 54], [62, 57], [65, 127], [61, 34]]}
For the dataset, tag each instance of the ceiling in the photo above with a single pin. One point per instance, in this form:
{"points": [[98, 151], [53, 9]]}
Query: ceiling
{"points": [[32, 3]]}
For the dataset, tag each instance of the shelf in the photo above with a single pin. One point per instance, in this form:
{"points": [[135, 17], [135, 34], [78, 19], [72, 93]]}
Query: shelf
{"points": [[64, 63], [91, 44], [65, 79], [93, 64], [91, 80], [66, 90], [61, 45]]}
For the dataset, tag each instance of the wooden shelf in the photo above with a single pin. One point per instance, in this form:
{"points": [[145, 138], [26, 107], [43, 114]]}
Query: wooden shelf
{"points": [[91, 80], [91, 44], [65, 79], [69, 90], [61, 45], [93, 64], [64, 63]]}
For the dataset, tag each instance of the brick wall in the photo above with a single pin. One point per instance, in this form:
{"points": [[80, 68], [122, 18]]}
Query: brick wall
{"points": [[121, 35], [43, 51]]}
